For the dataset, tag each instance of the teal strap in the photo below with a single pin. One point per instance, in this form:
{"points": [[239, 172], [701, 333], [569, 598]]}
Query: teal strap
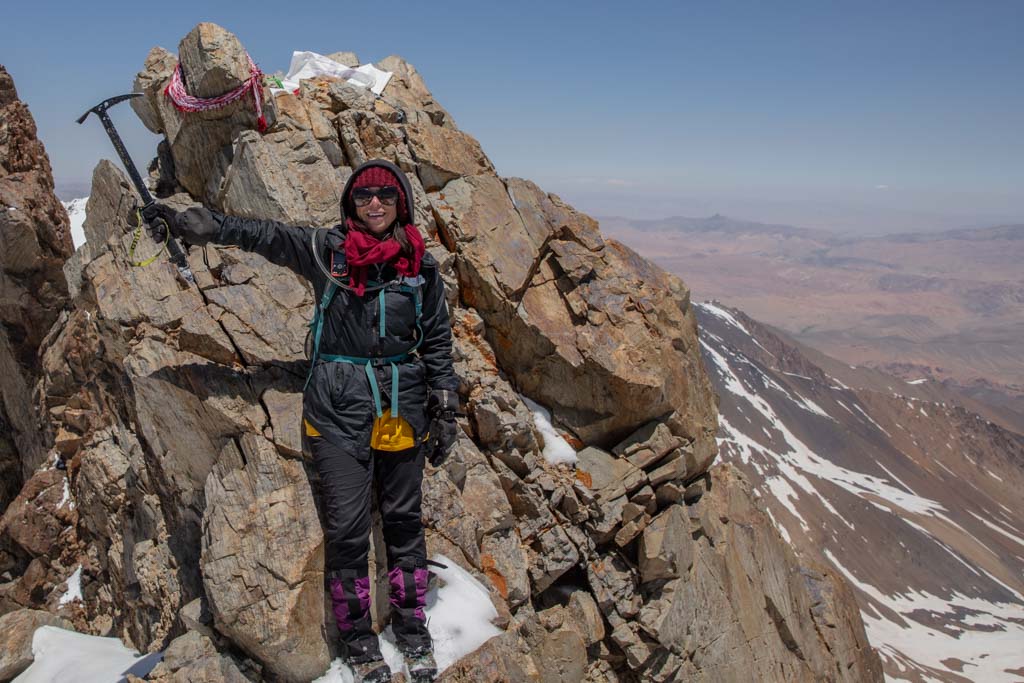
{"points": [[382, 308], [317, 325], [367, 363], [394, 390], [329, 292], [374, 388], [418, 300], [359, 360]]}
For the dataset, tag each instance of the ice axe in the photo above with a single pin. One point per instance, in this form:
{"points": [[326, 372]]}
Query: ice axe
{"points": [[157, 232]]}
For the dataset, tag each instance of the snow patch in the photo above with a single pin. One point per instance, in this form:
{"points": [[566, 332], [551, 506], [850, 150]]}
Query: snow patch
{"points": [[459, 616], [917, 381], [722, 362], [783, 531], [868, 417], [74, 591], [76, 212], [800, 460], [845, 407], [839, 384], [895, 478], [1016, 539], [793, 374], [719, 312], [66, 497], [61, 655], [988, 644], [556, 449], [460, 619]]}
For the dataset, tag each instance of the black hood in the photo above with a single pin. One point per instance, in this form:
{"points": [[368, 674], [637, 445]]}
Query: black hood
{"points": [[349, 210]]}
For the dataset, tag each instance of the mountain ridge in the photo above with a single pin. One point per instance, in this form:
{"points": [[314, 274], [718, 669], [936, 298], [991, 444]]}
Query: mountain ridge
{"points": [[912, 498]]}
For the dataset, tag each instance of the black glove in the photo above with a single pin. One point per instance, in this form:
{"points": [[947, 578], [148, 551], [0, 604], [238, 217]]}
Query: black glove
{"points": [[160, 217], [442, 408], [196, 225]]}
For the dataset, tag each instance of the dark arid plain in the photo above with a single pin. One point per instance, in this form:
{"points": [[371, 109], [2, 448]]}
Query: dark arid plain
{"points": [[943, 306]]}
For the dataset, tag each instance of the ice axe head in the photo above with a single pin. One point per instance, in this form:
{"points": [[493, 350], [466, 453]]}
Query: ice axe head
{"points": [[106, 104]]}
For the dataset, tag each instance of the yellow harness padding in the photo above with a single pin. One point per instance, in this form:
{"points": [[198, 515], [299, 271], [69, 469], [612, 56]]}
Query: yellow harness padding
{"points": [[392, 433], [310, 429]]}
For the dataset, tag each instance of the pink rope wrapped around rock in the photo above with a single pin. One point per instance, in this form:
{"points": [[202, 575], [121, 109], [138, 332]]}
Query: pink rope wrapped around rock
{"points": [[175, 90]]}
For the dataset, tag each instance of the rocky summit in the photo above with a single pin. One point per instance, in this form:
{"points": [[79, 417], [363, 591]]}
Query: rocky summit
{"points": [[155, 426]]}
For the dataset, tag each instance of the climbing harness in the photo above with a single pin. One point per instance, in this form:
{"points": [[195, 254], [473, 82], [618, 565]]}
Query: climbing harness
{"points": [[390, 431], [182, 101]]}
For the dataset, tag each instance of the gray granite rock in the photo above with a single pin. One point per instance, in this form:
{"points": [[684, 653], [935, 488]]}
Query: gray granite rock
{"points": [[16, 631]]}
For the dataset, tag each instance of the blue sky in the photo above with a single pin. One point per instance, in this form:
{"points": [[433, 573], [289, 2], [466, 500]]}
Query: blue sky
{"points": [[864, 116]]}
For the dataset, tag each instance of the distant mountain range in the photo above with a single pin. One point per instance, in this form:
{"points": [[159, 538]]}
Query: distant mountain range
{"points": [[724, 224], [913, 498], [715, 223], [948, 305]]}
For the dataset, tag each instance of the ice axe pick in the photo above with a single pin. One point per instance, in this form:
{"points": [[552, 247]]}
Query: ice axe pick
{"points": [[177, 256]]}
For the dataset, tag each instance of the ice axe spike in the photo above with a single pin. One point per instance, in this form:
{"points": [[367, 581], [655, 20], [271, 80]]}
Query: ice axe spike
{"points": [[176, 254]]}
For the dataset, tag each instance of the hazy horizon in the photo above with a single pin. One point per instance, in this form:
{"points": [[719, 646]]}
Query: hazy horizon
{"points": [[816, 216]]}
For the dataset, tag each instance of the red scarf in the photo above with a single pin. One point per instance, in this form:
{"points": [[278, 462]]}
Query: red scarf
{"points": [[364, 249]]}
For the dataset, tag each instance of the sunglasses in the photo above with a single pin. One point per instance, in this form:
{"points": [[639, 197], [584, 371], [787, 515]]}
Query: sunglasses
{"points": [[388, 195]]}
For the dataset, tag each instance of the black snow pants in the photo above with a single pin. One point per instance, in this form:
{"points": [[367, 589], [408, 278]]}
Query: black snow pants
{"points": [[346, 488]]}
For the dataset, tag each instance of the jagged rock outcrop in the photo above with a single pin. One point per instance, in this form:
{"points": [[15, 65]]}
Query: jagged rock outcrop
{"points": [[181, 407], [36, 237]]}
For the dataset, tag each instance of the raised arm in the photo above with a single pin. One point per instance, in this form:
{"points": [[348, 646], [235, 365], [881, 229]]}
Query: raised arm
{"points": [[281, 244]]}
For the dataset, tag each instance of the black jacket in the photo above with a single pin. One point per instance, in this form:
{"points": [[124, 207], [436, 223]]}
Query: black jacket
{"points": [[338, 401]]}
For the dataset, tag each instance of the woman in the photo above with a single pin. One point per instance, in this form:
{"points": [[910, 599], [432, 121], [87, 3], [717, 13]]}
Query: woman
{"points": [[380, 397]]}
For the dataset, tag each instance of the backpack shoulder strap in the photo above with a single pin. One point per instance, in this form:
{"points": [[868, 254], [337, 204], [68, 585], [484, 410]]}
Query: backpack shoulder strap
{"points": [[316, 325]]}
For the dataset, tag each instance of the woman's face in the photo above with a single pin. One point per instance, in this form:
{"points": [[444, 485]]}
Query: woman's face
{"points": [[377, 216]]}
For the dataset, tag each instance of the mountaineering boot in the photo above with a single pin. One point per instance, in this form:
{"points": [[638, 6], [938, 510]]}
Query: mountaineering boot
{"points": [[358, 646], [422, 667], [371, 671], [408, 596]]}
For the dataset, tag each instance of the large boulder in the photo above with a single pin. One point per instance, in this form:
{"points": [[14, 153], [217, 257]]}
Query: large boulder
{"points": [[583, 325], [213, 62], [263, 557], [193, 658], [38, 519]]}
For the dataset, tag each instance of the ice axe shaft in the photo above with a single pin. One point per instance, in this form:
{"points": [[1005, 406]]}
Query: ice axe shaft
{"points": [[176, 254]]}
